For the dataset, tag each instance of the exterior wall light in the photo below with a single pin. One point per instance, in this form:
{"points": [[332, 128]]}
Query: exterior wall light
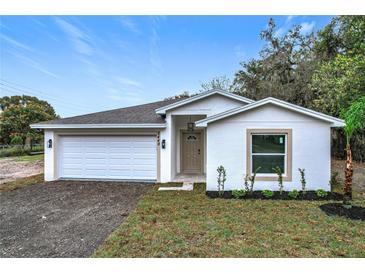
{"points": [[163, 144], [49, 143]]}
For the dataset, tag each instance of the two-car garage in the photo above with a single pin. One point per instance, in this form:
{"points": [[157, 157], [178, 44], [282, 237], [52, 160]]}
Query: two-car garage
{"points": [[107, 157], [118, 144]]}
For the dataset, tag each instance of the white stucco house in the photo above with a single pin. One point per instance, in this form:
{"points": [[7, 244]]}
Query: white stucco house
{"points": [[187, 139]]}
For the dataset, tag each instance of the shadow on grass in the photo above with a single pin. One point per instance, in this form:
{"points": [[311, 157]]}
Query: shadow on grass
{"points": [[337, 209]]}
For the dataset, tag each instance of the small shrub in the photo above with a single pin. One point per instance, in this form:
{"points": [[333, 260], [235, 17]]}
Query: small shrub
{"points": [[321, 193], [302, 179], [13, 151], [249, 187], [334, 180], [267, 193], [280, 178], [221, 179], [293, 194], [18, 150], [238, 193], [16, 140]]}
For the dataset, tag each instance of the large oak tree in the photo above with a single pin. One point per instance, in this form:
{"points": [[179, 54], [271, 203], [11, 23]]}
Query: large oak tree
{"points": [[18, 112], [284, 69]]}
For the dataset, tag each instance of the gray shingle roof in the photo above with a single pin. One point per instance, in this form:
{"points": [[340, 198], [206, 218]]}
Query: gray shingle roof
{"points": [[141, 114]]}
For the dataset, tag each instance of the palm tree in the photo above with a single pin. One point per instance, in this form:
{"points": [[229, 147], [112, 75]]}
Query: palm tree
{"points": [[354, 118]]}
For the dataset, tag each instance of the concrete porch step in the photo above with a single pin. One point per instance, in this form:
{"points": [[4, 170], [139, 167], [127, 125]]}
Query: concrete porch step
{"points": [[186, 186]]}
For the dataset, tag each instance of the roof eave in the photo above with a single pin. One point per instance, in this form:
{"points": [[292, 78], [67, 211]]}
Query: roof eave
{"points": [[338, 124], [95, 126], [335, 122]]}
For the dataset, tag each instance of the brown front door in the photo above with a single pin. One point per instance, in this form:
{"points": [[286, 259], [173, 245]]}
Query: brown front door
{"points": [[191, 152]]}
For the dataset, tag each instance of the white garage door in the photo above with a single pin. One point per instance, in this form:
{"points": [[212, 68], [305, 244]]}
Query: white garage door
{"points": [[108, 157]]}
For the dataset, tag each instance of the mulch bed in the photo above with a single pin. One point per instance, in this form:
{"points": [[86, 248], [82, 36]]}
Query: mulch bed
{"points": [[336, 209], [257, 194]]}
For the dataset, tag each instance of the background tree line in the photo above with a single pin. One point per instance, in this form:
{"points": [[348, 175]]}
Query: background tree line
{"points": [[323, 71]]}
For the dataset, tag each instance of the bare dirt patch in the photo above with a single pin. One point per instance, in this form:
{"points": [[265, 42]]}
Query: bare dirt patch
{"points": [[12, 169]]}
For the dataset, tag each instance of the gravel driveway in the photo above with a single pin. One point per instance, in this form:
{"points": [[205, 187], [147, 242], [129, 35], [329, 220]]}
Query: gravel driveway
{"points": [[63, 219]]}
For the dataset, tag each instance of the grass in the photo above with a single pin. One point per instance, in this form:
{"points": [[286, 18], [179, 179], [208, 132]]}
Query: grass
{"points": [[13, 185], [189, 224], [29, 158]]}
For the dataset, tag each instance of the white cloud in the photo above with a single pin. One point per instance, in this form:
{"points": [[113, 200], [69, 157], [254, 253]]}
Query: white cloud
{"points": [[127, 97], [155, 59], [280, 31], [38, 22], [34, 64], [128, 24], [307, 27], [43, 29], [128, 82], [289, 19], [15, 43], [238, 51], [92, 67], [2, 26], [80, 40], [122, 44]]}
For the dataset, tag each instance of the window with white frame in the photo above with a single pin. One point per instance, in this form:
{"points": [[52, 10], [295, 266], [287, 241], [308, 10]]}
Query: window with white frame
{"points": [[268, 151]]}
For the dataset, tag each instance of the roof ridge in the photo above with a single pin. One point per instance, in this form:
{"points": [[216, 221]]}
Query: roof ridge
{"points": [[137, 114], [201, 95], [115, 109]]}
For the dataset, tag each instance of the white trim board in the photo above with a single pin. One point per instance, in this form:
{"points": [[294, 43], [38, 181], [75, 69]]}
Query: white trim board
{"points": [[336, 122], [202, 95], [91, 126]]}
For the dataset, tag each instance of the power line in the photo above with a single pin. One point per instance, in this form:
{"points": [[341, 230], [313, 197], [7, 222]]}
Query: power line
{"points": [[58, 100], [16, 90], [26, 89], [34, 90], [20, 92], [73, 109]]}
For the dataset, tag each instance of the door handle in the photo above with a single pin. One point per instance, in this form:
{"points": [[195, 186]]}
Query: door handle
{"points": [[199, 151]]}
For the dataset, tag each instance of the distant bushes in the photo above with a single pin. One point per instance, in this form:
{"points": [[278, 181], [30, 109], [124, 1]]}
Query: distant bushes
{"points": [[18, 150]]}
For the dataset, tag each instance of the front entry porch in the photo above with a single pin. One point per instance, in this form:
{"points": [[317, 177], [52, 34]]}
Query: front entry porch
{"points": [[188, 150]]}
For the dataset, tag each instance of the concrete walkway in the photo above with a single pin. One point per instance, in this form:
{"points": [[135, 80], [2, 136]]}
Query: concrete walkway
{"points": [[186, 186]]}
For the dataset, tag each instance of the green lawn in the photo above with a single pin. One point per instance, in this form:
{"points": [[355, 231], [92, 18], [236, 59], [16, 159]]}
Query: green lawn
{"points": [[29, 158], [189, 224]]}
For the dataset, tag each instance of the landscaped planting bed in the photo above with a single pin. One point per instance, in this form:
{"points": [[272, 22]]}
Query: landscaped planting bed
{"points": [[285, 195], [337, 209]]}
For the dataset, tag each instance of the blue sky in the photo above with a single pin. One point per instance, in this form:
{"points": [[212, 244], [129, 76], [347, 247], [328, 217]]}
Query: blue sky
{"points": [[83, 64]]}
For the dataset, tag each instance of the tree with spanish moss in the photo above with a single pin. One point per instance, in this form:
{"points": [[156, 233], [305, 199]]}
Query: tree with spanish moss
{"points": [[283, 70]]}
